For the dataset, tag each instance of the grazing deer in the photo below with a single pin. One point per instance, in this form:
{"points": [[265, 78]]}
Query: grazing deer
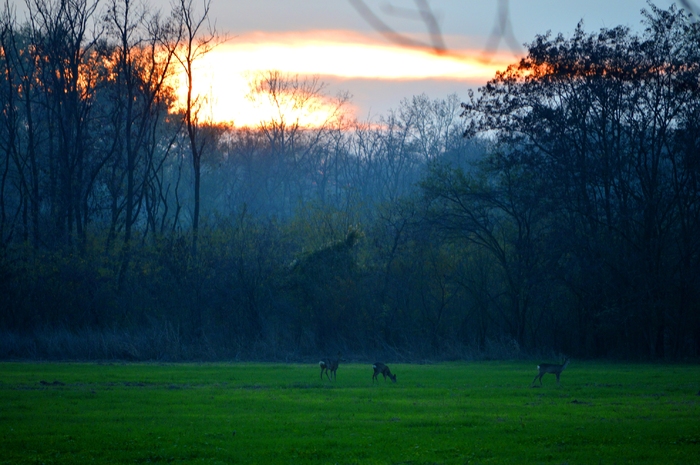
{"points": [[379, 367], [330, 365], [545, 368]]}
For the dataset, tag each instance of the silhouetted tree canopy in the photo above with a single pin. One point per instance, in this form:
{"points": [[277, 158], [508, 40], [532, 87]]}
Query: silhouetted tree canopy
{"points": [[595, 168], [566, 222]]}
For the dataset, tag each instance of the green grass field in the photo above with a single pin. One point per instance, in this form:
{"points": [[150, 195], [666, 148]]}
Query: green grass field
{"points": [[452, 413]]}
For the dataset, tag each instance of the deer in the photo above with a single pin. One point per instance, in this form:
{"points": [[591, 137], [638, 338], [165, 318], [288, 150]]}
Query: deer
{"points": [[545, 368], [330, 365], [379, 367]]}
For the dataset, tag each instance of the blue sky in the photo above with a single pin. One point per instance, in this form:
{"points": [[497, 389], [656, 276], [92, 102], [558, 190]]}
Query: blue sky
{"points": [[467, 17]]}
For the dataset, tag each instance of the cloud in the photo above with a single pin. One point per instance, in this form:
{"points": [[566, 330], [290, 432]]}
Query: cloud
{"points": [[222, 76]]}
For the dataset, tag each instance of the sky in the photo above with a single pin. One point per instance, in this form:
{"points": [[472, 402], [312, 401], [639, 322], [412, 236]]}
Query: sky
{"points": [[337, 41], [333, 39]]}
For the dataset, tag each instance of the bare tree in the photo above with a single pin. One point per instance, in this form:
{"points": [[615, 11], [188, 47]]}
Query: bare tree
{"points": [[198, 38], [297, 131], [68, 74], [141, 67], [10, 133]]}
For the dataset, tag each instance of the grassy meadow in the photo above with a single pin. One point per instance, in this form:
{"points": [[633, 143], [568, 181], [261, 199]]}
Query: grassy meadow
{"points": [[451, 413]]}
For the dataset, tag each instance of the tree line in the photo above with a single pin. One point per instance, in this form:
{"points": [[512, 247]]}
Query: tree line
{"points": [[554, 212]]}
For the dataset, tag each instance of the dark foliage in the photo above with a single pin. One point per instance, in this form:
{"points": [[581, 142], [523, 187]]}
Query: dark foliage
{"points": [[568, 222]]}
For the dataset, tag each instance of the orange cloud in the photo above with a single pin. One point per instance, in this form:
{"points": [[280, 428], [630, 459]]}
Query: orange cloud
{"points": [[222, 76]]}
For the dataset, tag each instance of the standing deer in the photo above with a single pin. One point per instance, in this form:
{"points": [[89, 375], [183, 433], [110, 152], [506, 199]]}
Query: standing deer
{"points": [[379, 367], [330, 365], [545, 368]]}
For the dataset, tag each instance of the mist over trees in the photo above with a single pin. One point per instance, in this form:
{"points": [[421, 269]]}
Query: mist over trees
{"points": [[557, 211]]}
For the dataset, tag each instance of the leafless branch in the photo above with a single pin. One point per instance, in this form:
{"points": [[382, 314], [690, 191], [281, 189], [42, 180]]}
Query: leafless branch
{"points": [[690, 6], [384, 29], [502, 30]]}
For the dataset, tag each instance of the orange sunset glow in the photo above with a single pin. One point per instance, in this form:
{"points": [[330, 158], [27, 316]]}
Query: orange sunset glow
{"points": [[222, 77]]}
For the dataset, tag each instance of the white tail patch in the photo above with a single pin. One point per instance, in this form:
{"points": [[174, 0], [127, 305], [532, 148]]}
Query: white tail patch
{"points": [[544, 368], [381, 368], [330, 366]]}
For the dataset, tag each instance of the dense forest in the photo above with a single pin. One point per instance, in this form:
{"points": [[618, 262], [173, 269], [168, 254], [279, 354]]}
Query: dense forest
{"points": [[556, 212]]}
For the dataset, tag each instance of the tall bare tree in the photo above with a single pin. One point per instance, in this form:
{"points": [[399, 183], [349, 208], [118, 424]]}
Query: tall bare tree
{"points": [[68, 71], [140, 72], [199, 37]]}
